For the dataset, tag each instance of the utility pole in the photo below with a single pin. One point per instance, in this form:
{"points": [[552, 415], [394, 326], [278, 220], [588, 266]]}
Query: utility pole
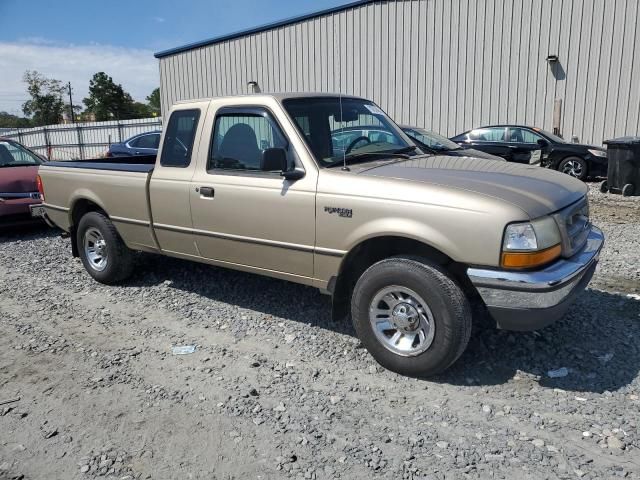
{"points": [[73, 117]]}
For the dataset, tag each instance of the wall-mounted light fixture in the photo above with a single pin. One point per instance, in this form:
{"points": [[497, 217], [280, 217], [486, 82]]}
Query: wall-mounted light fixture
{"points": [[552, 58]]}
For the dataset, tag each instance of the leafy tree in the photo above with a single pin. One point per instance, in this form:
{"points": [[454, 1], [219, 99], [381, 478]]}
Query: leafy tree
{"points": [[153, 101], [46, 104], [8, 120], [107, 100]]}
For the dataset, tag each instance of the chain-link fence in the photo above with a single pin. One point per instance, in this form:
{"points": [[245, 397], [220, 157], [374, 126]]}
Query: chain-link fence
{"points": [[80, 141]]}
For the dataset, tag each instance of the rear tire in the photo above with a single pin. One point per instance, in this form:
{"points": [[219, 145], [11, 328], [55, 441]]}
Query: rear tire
{"points": [[411, 316], [575, 167], [102, 252]]}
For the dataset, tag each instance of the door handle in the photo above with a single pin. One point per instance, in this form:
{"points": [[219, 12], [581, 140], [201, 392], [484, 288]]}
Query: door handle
{"points": [[206, 192]]}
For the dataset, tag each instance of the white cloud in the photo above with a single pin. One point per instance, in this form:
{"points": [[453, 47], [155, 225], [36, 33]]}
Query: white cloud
{"points": [[135, 69], [159, 19]]}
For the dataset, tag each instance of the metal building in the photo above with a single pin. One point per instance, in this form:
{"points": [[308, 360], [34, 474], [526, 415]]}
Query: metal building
{"points": [[447, 65]]}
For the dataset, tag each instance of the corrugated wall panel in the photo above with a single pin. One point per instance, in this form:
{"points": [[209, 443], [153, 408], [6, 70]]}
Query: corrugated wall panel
{"points": [[448, 65]]}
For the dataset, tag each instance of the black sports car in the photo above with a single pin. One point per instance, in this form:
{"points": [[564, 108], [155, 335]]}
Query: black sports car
{"points": [[522, 144]]}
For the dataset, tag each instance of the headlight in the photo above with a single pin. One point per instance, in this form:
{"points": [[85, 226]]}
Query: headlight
{"points": [[597, 153], [531, 244]]}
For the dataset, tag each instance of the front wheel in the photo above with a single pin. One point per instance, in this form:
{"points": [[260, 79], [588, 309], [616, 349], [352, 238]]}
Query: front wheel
{"points": [[102, 252], [411, 316], [574, 166]]}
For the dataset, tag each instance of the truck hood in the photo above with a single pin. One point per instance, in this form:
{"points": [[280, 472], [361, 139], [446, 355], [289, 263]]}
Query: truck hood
{"points": [[535, 190], [18, 179]]}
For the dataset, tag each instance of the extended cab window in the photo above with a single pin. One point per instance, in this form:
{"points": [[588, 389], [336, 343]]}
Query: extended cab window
{"points": [[240, 138], [178, 140]]}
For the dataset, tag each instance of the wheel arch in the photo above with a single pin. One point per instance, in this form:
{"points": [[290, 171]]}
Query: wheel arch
{"points": [[376, 248], [80, 206]]}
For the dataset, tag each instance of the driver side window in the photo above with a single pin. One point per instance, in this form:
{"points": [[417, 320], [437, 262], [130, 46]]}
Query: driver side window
{"points": [[240, 139]]}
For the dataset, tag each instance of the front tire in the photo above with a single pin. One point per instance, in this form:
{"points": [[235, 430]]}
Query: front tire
{"points": [[102, 252], [411, 316], [575, 167]]}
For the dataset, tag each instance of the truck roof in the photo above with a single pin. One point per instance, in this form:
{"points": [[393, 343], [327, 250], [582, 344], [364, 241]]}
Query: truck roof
{"points": [[277, 95]]}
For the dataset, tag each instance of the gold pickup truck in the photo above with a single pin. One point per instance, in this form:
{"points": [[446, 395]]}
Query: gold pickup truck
{"points": [[327, 191]]}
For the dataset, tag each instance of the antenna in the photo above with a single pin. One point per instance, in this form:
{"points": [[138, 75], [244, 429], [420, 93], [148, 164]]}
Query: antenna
{"points": [[344, 152]]}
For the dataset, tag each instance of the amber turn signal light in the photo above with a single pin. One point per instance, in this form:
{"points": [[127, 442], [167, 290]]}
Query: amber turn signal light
{"points": [[530, 259]]}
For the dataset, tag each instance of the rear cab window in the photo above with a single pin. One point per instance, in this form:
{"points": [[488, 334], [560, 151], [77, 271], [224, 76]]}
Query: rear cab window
{"points": [[179, 137]]}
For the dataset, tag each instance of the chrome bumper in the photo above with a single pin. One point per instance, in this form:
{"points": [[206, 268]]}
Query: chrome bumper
{"points": [[530, 300]]}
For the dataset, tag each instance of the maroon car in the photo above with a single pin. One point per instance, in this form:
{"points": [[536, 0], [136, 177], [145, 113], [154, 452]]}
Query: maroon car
{"points": [[18, 189]]}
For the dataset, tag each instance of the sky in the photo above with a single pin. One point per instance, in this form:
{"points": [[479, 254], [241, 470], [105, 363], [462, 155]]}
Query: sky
{"points": [[70, 40]]}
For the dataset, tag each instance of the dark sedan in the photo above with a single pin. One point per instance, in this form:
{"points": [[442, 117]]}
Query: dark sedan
{"points": [[143, 144], [522, 144], [18, 189], [431, 141]]}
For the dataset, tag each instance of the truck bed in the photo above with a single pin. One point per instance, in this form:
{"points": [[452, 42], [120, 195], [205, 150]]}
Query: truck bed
{"points": [[118, 186]]}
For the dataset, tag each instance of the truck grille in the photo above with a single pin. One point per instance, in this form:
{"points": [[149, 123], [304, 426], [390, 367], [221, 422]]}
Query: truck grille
{"points": [[574, 224]]}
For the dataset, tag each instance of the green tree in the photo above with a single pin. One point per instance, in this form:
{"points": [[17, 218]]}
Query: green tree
{"points": [[107, 100], [153, 101], [7, 120], [46, 104]]}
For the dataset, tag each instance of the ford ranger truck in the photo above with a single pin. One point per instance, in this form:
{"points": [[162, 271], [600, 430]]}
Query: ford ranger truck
{"points": [[407, 244]]}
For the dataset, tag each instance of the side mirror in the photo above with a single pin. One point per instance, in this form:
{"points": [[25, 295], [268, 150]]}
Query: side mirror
{"points": [[274, 160], [542, 143]]}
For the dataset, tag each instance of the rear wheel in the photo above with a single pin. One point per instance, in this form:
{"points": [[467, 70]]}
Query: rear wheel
{"points": [[574, 166], [411, 316], [102, 251]]}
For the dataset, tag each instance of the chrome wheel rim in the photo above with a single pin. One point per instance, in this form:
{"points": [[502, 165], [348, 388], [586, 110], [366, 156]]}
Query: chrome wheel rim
{"points": [[401, 321], [573, 168], [95, 249]]}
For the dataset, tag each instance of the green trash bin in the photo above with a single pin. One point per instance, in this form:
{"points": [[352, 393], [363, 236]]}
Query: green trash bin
{"points": [[623, 171]]}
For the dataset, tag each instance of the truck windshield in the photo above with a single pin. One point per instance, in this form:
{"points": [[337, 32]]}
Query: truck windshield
{"points": [[345, 130]]}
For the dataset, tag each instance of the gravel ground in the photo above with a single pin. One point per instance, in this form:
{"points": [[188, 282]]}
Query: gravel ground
{"points": [[276, 390]]}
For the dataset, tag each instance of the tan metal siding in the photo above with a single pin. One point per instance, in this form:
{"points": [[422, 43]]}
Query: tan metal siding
{"points": [[448, 65]]}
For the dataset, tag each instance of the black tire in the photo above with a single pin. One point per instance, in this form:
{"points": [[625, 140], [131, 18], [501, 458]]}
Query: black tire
{"points": [[628, 190], [119, 258], [449, 307], [575, 166], [604, 187]]}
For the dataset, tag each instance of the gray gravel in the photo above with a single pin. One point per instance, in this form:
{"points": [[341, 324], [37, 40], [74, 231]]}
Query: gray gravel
{"points": [[276, 390]]}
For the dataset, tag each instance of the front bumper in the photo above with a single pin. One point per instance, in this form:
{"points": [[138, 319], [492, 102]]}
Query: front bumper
{"points": [[533, 299]]}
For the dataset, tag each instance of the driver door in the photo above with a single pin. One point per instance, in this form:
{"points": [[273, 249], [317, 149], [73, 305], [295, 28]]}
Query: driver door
{"points": [[243, 215]]}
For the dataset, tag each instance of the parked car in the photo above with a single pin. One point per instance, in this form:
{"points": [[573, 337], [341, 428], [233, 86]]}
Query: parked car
{"points": [[517, 143], [404, 242], [142, 144], [431, 141], [18, 190]]}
